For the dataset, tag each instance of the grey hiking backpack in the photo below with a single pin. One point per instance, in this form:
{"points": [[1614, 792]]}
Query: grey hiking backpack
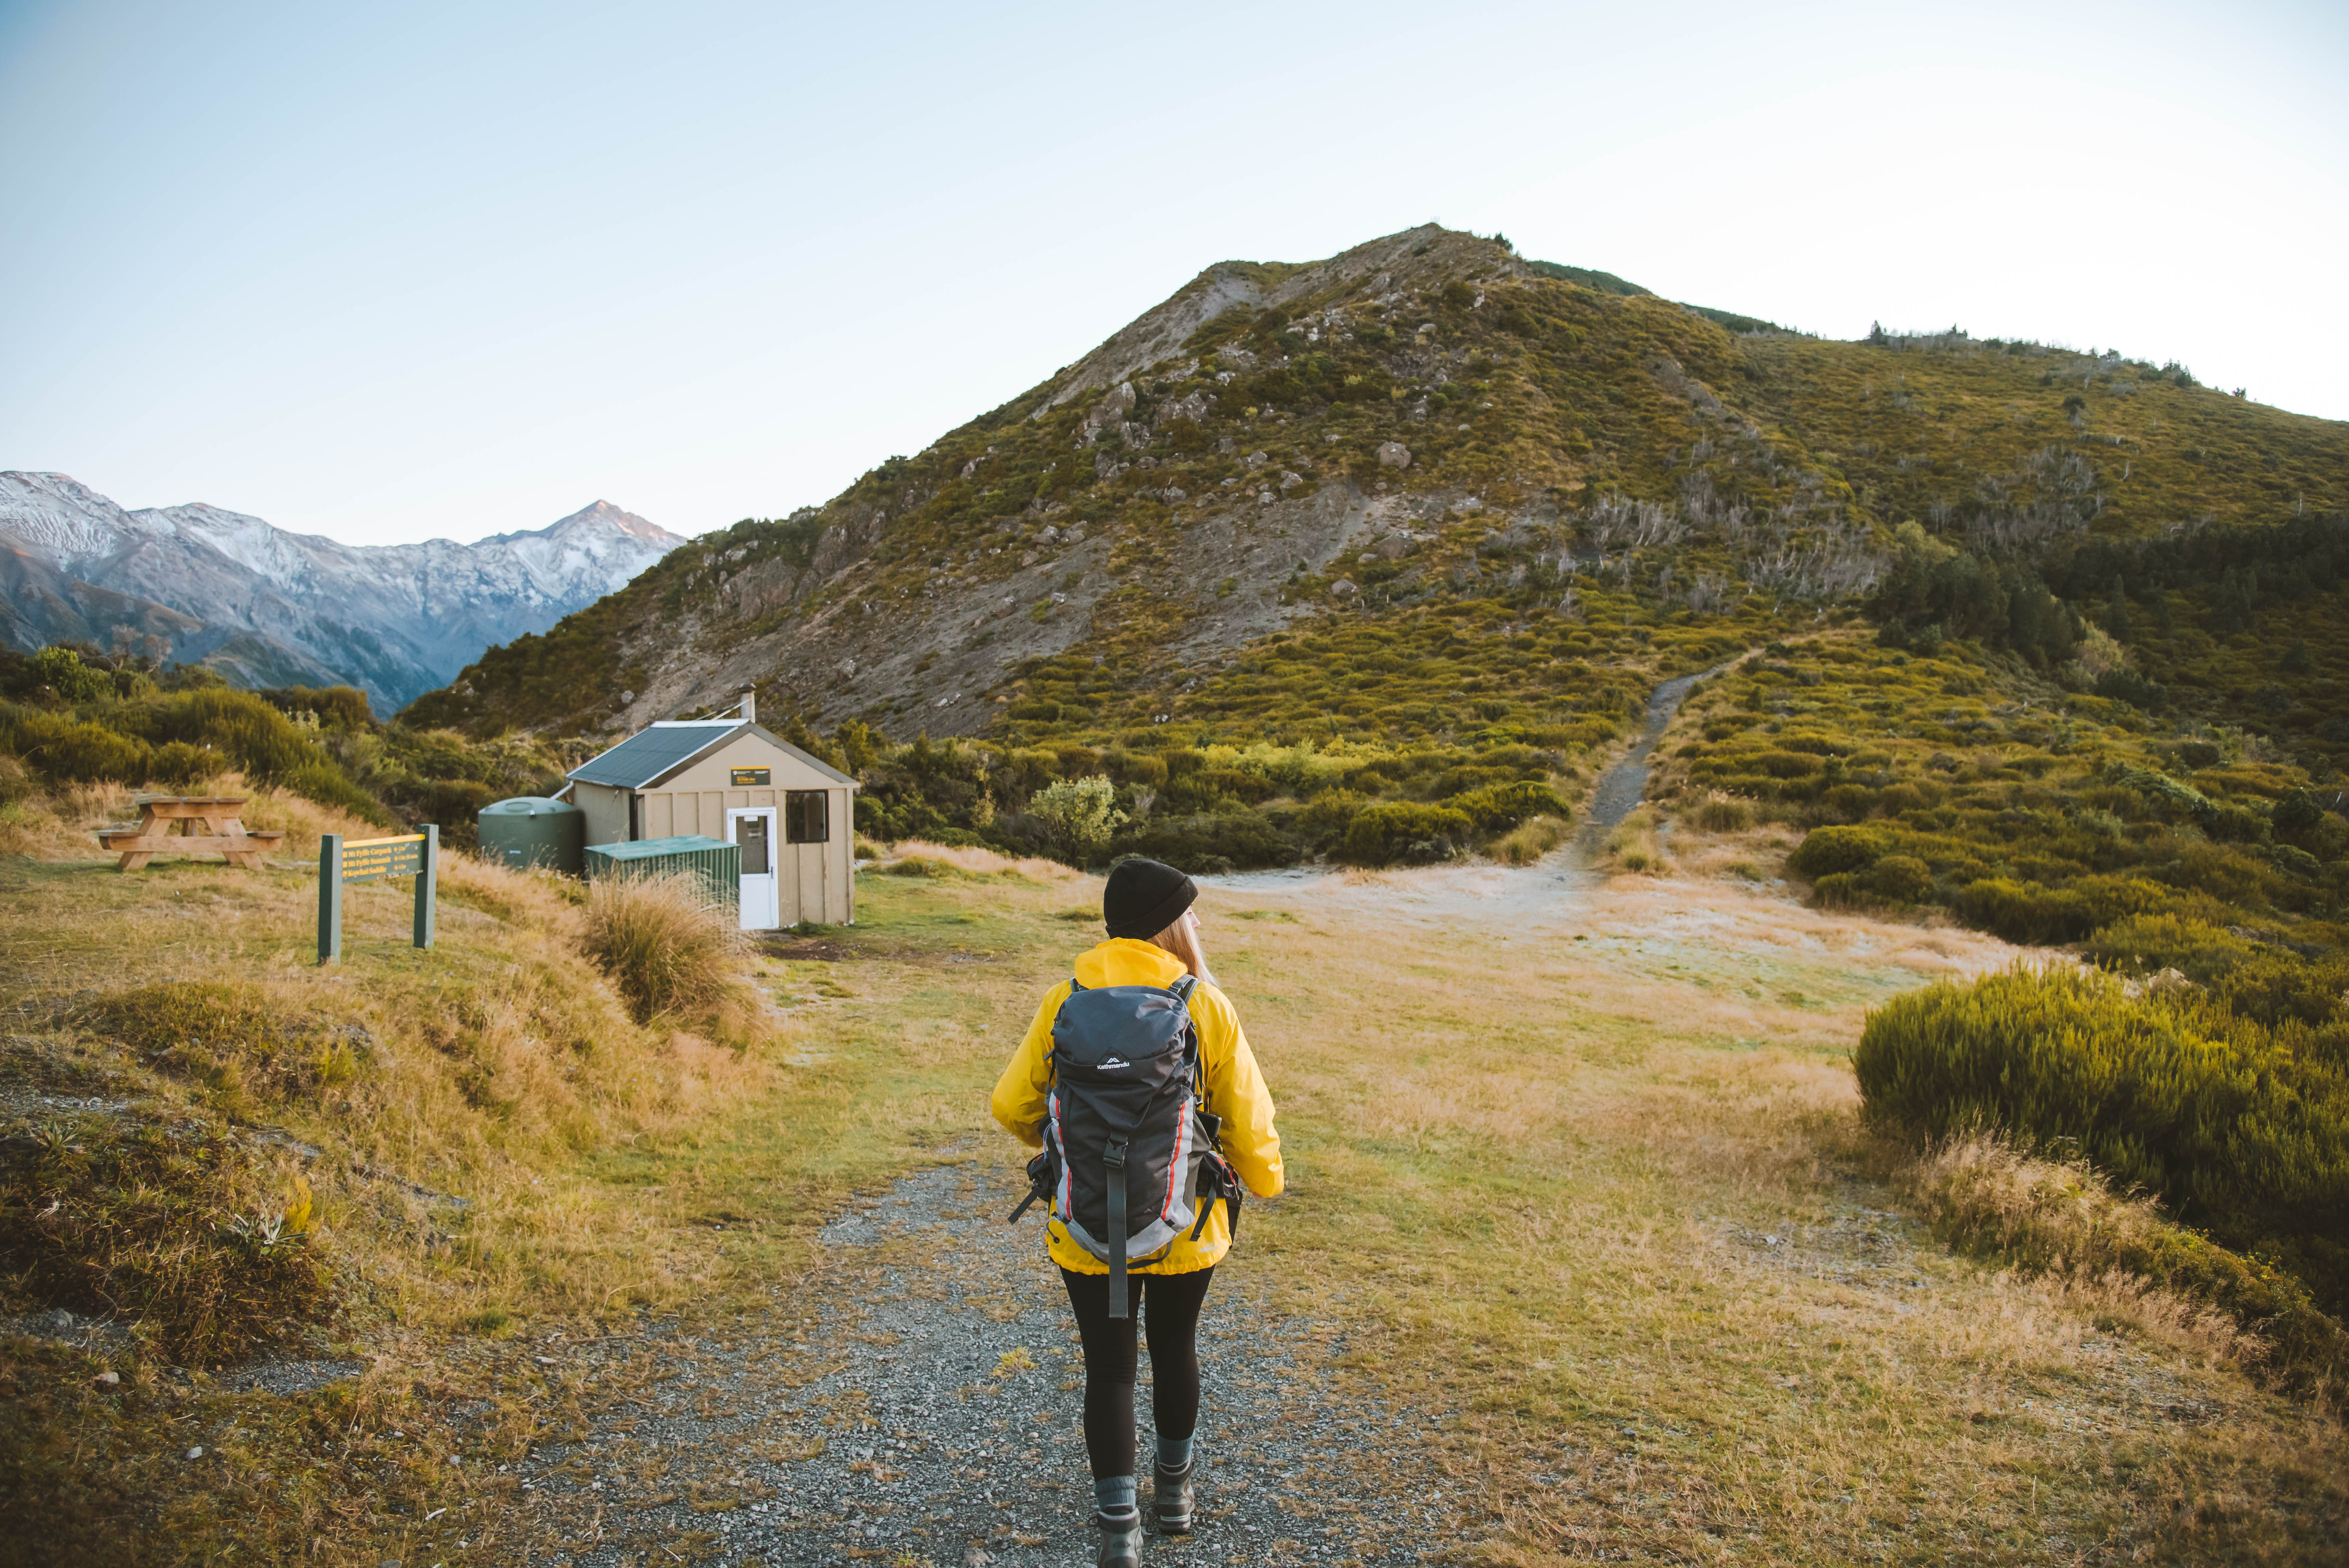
{"points": [[1130, 1150]]}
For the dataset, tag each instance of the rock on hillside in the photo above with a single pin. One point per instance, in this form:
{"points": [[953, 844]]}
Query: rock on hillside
{"points": [[268, 606], [1425, 418]]}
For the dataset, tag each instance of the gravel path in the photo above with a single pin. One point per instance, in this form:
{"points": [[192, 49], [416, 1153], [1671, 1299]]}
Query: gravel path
{"points": [[924, 1411]]}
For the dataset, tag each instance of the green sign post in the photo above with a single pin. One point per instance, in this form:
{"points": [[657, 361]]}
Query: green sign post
{"points": [[414, 855]]}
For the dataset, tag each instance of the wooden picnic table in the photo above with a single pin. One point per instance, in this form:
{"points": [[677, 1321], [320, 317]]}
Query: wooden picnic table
{"points": [[217, 816]]}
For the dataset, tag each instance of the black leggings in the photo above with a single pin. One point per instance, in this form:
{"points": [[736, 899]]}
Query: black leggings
{"points": [[1170, 1320]]}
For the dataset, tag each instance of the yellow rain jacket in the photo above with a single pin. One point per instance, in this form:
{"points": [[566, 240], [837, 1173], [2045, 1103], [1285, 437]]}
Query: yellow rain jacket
{"points": [[1235, 1092]]}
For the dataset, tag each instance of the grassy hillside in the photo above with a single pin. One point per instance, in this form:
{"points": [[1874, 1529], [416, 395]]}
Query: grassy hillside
{"points": [[1117, 572], [1605, 427], [511, 1200]]}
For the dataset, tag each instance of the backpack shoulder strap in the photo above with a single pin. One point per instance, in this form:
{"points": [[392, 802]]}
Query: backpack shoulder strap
{"points": [[1184, 988]]}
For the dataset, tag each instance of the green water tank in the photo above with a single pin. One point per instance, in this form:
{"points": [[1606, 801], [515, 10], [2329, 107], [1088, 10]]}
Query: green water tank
{"points": [[531, 831]]}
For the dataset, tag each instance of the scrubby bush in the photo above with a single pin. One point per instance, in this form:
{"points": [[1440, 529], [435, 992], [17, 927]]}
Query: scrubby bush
{"points": [[183, 766], [2022, 912], [1404, 831], [1209, 841], [67, 679], [2147, 944], [1080, 813], [1826, 850], [1500, 806], [1903, 879], [2237, 1127], [73, 752]]}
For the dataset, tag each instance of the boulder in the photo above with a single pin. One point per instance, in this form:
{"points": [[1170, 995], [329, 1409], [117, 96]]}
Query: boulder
{"points": [[1343, 588], [1193, 407], [1393, 455], [1113, 408]]}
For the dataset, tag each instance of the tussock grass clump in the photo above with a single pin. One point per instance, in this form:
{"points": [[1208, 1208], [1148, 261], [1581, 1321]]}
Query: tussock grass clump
{"points": [[1633, 844], [1529, 843], [2235, 1125], [202, 1238], [671, 951], [2054, 1217], [1721, 814]]}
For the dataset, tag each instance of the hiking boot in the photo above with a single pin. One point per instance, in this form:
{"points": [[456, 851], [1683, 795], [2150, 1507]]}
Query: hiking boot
{"points": [[1172, 1498], [1121, 1538]]}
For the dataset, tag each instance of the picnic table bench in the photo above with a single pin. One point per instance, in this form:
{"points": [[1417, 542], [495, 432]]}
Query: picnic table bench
{"points": [[218, 817]]}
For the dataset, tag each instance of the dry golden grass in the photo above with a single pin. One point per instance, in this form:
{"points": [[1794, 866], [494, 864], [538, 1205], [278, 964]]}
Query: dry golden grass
{"points": [[1633, 846], [676, 955], [980, 862], [1601, 1179], [1529, 842], [1579, 1169]]}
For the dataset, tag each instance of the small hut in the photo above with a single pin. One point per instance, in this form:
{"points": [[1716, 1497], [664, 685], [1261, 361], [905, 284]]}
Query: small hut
{"points": [[791, 816]]}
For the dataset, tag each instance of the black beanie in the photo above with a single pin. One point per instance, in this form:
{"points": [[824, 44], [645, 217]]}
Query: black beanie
{"points": [[1143, 898]]}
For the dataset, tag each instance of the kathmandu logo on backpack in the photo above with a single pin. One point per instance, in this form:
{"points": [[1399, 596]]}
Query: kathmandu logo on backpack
{"points": [[1129, 1146]]}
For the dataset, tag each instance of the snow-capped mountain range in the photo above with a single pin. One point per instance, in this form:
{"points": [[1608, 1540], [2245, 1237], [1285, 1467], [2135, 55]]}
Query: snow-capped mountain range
{"points": [[267, 607]]}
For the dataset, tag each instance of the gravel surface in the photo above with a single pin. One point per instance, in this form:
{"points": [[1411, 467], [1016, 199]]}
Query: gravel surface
{"points": [[926, 1411]]}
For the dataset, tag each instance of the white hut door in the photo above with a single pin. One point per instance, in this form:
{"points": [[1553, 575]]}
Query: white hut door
{"points": [[753, 828]]}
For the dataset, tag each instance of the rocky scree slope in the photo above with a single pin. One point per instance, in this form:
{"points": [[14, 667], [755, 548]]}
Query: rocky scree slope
{"points": [[1425, 421], [267, 607]]}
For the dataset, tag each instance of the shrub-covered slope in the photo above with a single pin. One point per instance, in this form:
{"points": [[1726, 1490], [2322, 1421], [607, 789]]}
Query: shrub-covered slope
{"points": [[1213, 478]]}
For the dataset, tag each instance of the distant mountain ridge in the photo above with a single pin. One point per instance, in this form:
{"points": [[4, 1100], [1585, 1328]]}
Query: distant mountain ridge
{"points": [[267, 607]]}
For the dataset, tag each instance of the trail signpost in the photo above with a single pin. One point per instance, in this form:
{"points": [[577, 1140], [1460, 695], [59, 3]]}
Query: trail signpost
{"points": [[414, 855]]}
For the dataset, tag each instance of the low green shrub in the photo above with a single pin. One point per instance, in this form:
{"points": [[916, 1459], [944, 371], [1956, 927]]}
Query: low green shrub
{"points": [[1903, 879], [2240, 1129], [1843, 890], [2147, 944], [1208, 841], [1406, 831], [1826, 850], [1495, 807], [72, 751]]}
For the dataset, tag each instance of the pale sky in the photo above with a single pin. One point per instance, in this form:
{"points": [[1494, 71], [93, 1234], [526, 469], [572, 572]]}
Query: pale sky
{"points": [[391, 272]]}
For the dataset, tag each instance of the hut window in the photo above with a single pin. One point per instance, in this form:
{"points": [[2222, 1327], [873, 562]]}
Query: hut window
{"points": [[806, 820]]}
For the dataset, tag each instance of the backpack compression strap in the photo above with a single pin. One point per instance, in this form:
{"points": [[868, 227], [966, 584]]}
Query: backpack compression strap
{"points": [[1114, 1156]]}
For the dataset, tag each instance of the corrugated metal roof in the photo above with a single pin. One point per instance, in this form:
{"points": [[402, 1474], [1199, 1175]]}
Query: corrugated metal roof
{"points": [[652, 756]]}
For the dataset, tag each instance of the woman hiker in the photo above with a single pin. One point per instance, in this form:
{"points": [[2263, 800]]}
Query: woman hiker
{"points": [[1152, 976]]}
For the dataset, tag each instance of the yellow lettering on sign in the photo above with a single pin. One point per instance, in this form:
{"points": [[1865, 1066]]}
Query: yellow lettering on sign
{"points": [[366, 860]]}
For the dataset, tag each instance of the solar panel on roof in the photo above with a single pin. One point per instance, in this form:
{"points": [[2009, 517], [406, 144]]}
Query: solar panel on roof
{"points": [[647, 754]]}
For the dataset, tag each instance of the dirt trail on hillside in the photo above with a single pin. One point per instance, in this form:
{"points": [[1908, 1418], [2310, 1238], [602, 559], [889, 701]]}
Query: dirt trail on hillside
{"points": [[929, 1414]]}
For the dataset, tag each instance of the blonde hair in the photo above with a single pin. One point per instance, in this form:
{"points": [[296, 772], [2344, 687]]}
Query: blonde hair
{"points": [[1181, 940]]}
